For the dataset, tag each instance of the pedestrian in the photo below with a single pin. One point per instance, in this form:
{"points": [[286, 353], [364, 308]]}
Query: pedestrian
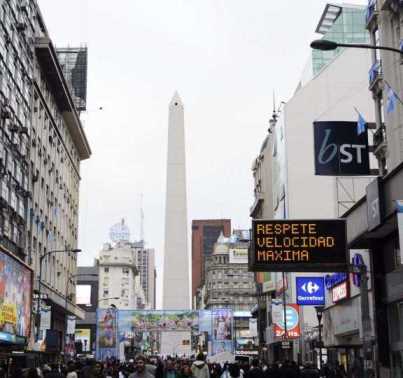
{"points": [[309, 371], [170, 369], [255, 371], [140, 369], [53, 372], [199, 367], [273, 371], [234, 371], [97, 371], [71, 370], [32, 373]]}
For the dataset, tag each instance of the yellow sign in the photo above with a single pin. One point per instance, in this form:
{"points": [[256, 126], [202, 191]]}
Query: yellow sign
{"points": [[8, 314]]}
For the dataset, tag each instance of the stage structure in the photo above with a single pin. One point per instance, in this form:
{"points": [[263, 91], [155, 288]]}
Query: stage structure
{"points": [[124, 333]]}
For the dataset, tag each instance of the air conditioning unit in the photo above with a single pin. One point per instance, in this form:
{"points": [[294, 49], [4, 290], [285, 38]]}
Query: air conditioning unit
{"points": [[21, 27]]}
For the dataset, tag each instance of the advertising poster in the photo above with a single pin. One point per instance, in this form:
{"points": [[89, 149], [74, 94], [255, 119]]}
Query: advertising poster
{"points": [[46, 315], [134, 320], [15, 298], [83, 295], [222, 346], [83, 335], [292, 320], [222, 324], [252, 327], [106, 333], [71, 325]]}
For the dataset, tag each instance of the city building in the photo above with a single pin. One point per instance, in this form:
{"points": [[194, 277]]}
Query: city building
{"points": [[87, 286], [119, 280], [145, 261], [205, 233], [176, 288], [328, 93], [229, 284], [42, 143]]}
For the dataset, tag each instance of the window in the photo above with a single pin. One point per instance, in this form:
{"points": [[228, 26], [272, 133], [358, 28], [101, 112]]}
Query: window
{"points": [[106, 292], [106, 270]]}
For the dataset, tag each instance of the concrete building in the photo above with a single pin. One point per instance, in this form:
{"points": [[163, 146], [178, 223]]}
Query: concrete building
{"points": [[87, 287], [229, 284], [176, 258], [296, 193], [42, 143], [119, 280], [145, 261], [204, 234]]}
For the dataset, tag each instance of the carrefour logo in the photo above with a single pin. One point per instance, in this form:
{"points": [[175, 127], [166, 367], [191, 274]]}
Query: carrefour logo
{"points": [[310, 291]]}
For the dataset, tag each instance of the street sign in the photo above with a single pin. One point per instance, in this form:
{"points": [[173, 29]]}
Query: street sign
{"points": [[310, 291], [339, 150], [285, 345], [298, 246]]}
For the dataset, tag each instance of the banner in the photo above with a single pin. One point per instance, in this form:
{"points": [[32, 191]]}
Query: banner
{"points": [[83, 335], [71, 325], [46, 316], [106, 333], [252, 327], [238, 255]]}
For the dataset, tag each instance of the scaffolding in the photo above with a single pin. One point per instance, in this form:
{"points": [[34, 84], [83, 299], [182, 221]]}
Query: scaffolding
{"points": [[74, 64]]}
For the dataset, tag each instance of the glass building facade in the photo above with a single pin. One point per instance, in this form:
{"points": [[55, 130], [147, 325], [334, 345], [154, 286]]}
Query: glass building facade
{"points": [[348, 27]]}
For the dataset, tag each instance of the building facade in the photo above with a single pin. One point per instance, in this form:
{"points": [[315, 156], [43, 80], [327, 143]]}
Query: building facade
{"points": [[42, 143], [328, 92], [145, 261], [205, 233], [119, 280]]}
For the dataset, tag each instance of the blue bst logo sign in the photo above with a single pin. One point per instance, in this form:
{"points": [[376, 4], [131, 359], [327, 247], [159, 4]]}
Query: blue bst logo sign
{"points": [[310, 291]]}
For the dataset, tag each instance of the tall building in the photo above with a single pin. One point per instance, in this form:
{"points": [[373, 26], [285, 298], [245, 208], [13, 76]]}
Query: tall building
{"points": [[205, 233], [176, 258], [296, 193], [145, 261], [42, 143]]}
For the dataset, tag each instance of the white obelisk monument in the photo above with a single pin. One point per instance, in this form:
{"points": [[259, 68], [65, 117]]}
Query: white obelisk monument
{"points": [[176, 289]]}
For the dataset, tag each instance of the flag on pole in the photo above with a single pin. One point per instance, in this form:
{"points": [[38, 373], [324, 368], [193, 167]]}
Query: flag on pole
{"points": [[391, 99], [361, 124]]}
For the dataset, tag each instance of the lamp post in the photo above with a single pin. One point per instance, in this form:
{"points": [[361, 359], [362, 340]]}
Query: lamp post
{"points": [[319, 314], [38, 317], [326, 45]]}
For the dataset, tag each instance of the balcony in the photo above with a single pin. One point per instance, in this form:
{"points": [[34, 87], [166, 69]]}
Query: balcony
{"points": [[371, 15]]}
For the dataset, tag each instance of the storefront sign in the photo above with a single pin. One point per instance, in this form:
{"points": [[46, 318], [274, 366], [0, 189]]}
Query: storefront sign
{"points": [[374, 204], [358, 261], [310, 291], [298, 245], [292, 322], [332, 280], [340, 292], [339, 150], [238, 256]]}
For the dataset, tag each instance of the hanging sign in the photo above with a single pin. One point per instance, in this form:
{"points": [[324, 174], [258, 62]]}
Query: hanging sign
{"points": [[310, 291], [339, 150], [298, 246]]}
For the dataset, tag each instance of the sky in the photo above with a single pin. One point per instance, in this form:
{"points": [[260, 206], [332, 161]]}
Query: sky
{"points": [[226, 58]]}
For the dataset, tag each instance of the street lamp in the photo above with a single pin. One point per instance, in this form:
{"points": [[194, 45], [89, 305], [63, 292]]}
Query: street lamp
{"points": [[319, 315], [326, 45], [38, 317]]}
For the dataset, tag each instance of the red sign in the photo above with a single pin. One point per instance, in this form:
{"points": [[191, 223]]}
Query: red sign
{"points": [[341, 292], [292, 315]]}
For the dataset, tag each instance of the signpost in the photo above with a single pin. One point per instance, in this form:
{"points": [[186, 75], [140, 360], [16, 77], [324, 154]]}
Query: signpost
{"points": [[339, 150], [298, 246], [310, 291]]}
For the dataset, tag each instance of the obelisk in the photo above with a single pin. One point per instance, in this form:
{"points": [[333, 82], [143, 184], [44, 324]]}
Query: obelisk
{"points": [[176, 292]]}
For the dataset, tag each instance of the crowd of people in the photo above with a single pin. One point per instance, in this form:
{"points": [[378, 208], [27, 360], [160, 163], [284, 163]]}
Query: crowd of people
{"points": [[173, 367]]}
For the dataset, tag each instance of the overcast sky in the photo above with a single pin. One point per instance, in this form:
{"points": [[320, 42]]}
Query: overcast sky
{"points": [[225, 57]]}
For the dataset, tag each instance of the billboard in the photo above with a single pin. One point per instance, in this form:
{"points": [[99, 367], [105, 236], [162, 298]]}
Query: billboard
{"points": [[299, 245], [340, 150], [83, 335], [238, 255], [222, 323], [15, 299], [106, 333], [83, 295], [292, 322], [310, 291]]}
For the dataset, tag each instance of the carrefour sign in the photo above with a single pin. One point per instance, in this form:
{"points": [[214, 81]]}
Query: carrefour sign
{"points": [[310, 291]]}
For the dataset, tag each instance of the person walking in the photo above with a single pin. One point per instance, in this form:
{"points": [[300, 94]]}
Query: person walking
{"points": [[140, 369], [199, 367], [255, 371], [309, 371], [71, 370]]}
